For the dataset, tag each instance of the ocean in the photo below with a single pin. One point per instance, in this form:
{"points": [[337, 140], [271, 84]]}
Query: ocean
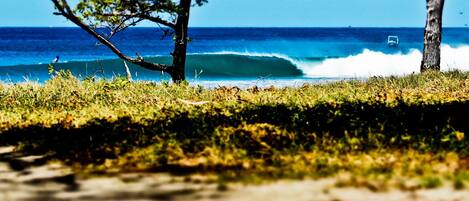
{"points": [[230, 56]]}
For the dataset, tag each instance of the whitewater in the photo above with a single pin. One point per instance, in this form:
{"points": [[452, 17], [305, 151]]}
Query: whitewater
{"points": [[372, 63]]}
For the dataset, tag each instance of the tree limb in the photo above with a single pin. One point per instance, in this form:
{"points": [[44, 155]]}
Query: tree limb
{"points": [[154, 19], [65, 10]]}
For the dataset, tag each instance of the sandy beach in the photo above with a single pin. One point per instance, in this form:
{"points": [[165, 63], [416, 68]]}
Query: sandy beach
{"points": [[23, 178]]}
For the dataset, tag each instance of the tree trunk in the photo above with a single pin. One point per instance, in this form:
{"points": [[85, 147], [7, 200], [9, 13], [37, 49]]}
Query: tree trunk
{"points": [[433, 28], [180, 44]]}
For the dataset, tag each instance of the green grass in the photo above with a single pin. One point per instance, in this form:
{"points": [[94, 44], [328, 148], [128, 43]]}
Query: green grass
{"points": [[383, 128]]}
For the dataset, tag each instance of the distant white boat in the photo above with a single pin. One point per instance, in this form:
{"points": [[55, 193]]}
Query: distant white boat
{"points": [[56, 60], [393, 41]]}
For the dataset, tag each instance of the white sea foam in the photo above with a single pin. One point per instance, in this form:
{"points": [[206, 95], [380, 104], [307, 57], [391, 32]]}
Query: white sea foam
{"points": [[372, 63]]}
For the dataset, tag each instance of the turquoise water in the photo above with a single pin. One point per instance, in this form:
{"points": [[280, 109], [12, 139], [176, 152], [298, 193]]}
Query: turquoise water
{"points": [[230, 55]]}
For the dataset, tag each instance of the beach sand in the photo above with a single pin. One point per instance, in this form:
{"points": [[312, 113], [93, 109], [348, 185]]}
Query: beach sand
{"points": [[24, 178]]}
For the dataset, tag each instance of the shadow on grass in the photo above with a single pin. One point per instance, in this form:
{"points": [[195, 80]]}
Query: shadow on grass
{"points": [[401, 126], [371, 125], [357, 126]]}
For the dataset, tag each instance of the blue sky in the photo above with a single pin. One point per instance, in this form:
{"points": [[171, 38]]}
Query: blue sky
{"points": [[270, 13]]}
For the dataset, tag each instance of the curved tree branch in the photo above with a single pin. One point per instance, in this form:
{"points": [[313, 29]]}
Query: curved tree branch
{"points": [[65, 10], [154, 19]]}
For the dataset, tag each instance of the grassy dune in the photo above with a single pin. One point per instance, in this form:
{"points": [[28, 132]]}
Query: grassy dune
{"points": [[368, 133]]}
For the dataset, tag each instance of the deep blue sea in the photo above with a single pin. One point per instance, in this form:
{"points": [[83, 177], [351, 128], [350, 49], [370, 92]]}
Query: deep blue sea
{"points": [[230, 55]]}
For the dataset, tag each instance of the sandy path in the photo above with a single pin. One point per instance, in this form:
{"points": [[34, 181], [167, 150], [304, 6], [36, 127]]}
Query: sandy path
{"points": [[21, 179]]}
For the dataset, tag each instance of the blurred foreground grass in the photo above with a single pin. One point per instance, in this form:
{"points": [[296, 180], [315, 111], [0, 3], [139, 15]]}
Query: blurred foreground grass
{"points": [[388, 130]]}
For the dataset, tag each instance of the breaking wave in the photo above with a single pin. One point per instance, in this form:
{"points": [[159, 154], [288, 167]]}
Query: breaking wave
{"points": [[373, 63], [248, 64]]}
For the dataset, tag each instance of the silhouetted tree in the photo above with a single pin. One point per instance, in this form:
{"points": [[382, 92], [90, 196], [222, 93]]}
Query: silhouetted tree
{"points": [[433, 28], [117, 15]]}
